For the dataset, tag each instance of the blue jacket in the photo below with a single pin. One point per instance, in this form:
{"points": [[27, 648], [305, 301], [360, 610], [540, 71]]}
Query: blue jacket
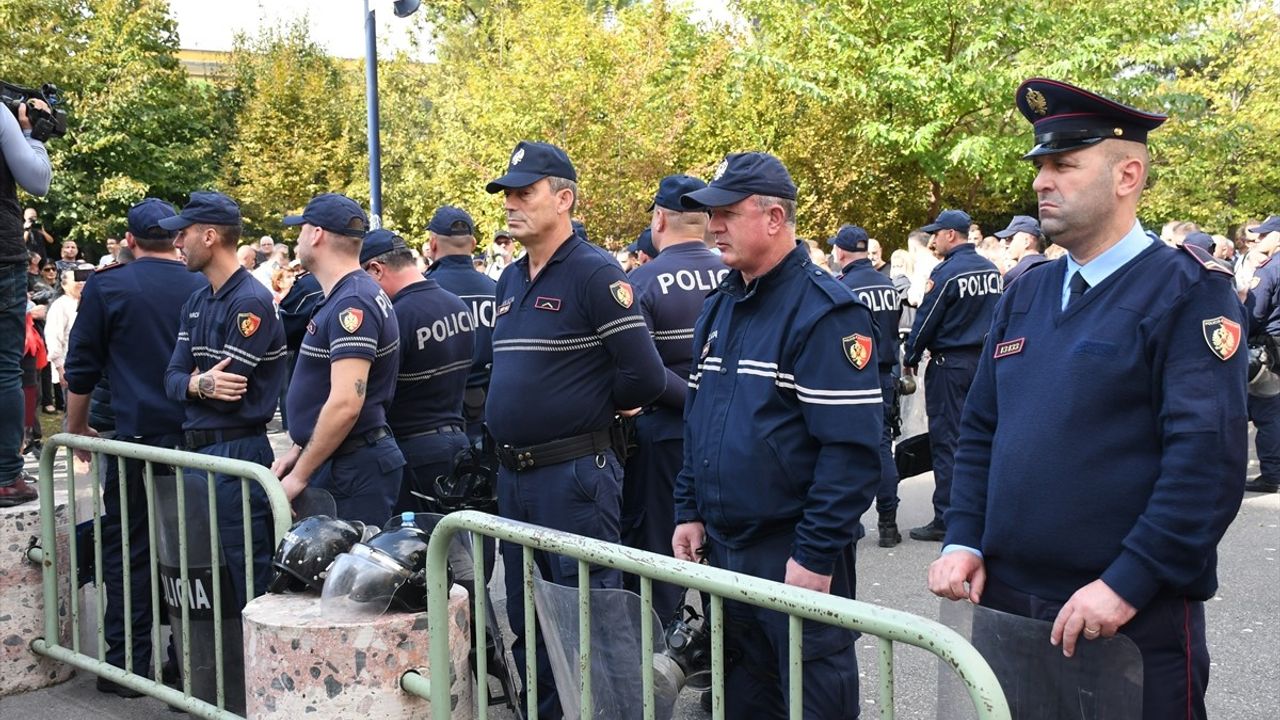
{"points": [[458, 275], [957, 306], [878, 293], [784, 416], [1263, 300], [1107, 440], [238, 322], [127, 326], [1027, 262], [437, 339]]}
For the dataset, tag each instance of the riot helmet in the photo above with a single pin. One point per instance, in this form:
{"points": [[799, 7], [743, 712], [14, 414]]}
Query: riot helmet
{"points": [[386, 572], [305, 552]]}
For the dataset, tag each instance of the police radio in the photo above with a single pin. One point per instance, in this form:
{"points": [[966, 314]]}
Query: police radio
{"points": [[44, 124]]}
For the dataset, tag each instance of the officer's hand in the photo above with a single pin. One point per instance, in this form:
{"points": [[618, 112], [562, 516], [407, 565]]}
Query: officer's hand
{"points": [[629, 413], [83, 456], [293, 485], [950, 573], [1095, 611], [687, 541], [215, 384], [908, 370], [284, 464], [799, 576]]}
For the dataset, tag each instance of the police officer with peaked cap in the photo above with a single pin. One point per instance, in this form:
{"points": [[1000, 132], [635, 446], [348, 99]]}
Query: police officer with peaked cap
{"points": [[570, 349], [670, 291], [452, 240], [782, 440], [1026, 245], [126, 327], [1263, 303], [346, 373], [878, 293], [1097, 500], [437, 342], [951, 324], [227, 369]]}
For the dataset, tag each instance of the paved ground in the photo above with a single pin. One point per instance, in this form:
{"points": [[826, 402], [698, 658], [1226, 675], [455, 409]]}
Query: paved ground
{"points": [[1244, 630]]}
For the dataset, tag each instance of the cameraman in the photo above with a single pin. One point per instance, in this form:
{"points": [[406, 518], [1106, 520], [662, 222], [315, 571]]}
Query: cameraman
{"points": [[36, 237], [23, 163]]}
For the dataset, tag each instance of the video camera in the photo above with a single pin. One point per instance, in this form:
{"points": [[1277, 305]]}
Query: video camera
{"points": [[44, 125]]}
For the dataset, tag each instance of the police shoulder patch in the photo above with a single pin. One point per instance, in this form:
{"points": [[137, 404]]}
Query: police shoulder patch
{"points": [[622, 293], [351, 319], [857, 350], [248, 323], [1255, 282], [1223, 336], [1206, 259]]}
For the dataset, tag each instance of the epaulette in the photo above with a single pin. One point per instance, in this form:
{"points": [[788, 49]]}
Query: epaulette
{"points": [[830, 286], [1031, 267], [1263, 264], [112, 266], [1207, 260]]}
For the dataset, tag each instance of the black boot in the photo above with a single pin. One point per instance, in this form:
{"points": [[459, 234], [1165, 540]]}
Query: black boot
{"points": [[888, 527], [935, 531]]}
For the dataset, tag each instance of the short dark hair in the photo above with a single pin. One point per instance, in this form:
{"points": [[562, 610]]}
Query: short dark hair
{"points": [[159, 241], [396, 259]]}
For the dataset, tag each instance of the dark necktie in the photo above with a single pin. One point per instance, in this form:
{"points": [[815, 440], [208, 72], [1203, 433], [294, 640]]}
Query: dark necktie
{"points": [[1076, 288]]}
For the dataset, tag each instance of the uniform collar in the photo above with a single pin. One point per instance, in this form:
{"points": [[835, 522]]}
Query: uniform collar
{"points": [[691, 246], [1129, 247], [561, 253], [415, 287], [963, 247], [862, 262], [232, 283], [733, 286], [449, 260]]}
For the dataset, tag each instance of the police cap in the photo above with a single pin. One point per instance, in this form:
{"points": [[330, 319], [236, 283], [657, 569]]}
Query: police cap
{"points": [[1066, 117], [334, 213], [1270, 225], [1020, 223], [741, 175], [958, 220], [530, 162], [851, 238], [1202, 240], [644, 244], [444, 219], [207, 208], [672, 188], [380, 242], [145, 217]]}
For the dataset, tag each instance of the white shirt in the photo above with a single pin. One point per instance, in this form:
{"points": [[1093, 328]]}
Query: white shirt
{"points": [[57, 330]]}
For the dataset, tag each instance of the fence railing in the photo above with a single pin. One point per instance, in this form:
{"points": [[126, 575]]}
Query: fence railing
{"points": [[185, 464], [889, 626]]}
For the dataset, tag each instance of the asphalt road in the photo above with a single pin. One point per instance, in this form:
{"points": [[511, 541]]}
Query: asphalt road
{"points": [[1243, 627]]}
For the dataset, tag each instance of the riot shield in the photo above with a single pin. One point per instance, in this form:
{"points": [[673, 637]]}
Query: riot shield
{"points": [[617, 690], [197, 593], [1102, 681], [314, 501]]}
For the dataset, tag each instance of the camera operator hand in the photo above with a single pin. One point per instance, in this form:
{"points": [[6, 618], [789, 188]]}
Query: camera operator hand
{"points": [[23, 121]]}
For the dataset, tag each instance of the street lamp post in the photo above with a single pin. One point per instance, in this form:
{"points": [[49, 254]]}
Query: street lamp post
{"points": [[401, 8]]}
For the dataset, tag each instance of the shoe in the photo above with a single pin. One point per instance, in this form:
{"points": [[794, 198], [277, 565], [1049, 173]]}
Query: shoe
{"points": [[888, 528], [1259, 485], [107, 686], [23, 490], [933, 532], [49, 410], [169, 675]]}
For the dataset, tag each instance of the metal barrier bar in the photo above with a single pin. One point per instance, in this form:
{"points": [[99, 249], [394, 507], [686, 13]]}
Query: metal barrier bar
{"points": [[215, 561], [891, 625], [795, 670], [480, 619], [530, 626], [886, 679], [51, 644], [646, 644], [73, 558], [584, 637]]}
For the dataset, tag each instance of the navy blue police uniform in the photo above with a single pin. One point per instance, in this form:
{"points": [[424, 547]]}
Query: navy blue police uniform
{"points": [[458, 275], [237, 322], [670, 291], [355, 320], [1127, 467], [437, 340], [782, 436], [951, 324], [879, 294], [126, 328], [1263, 303], [570, 348], [1026, 224]]}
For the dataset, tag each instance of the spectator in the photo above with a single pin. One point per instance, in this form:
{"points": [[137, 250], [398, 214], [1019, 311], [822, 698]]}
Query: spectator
{"points": [[62, 314], [281, 283], [876, 254], [70, 257], [262, 252], [113, 249], [248, 257], [276, 259], [901, 268], [503, 250]]}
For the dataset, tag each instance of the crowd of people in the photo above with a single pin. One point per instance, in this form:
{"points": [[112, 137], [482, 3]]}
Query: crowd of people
{"points": [[720, 390]]}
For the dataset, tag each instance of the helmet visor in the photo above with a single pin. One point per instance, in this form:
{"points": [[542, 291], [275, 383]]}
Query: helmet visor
{"points": [[360, 585]]}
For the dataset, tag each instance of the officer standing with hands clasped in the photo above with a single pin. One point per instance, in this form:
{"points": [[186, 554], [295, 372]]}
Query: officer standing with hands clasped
{"points": [[227, 369], [437, 340], [878, 293], [126, 328], [570, 349], [1097, 501], [346, 373], [783, 426], [951, 324]]}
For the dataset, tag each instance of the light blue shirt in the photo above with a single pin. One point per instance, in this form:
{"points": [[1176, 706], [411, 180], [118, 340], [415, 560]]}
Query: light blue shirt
{"points": [[1098, 269]]}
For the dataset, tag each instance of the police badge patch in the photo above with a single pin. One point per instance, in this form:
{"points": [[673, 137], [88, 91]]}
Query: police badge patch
{"points": [[1037, 103], [857, 349], [351, 319], [1222, 335], [516, 157], [621, 292], [720, 169], [248, 323]]}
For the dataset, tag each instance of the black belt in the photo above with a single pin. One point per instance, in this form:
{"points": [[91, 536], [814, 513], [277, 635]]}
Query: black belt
{"points": [[203, 438], [363, 440], [556, 451], [432, 431], [940, 356]]}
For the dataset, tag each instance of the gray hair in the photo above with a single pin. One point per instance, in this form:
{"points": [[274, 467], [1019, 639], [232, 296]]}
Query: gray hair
{"points": [[764, 202], [558, 183]]}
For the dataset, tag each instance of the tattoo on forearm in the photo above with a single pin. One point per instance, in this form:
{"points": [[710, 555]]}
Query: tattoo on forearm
{"points": [[206, 384], [360, 386]]}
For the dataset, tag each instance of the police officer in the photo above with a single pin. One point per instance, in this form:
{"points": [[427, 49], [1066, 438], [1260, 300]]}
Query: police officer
{"points": [[126, 327], [1026, 245], [1263, 303], [570, 349], [782, 446], [1097, 500], [452, 240], [437, 341], [670, 291], [852, 251], [951, 324], [642, 249], [227, 369], [346, 373]]}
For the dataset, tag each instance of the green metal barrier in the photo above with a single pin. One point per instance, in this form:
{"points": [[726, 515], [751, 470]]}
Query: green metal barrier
{"points": [[889, 626], [51, 645]]}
